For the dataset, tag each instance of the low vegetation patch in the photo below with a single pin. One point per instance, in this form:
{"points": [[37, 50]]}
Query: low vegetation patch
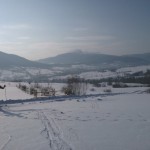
{"points": [[148, 91], [75, 86], [107, 90], [119, 85]]}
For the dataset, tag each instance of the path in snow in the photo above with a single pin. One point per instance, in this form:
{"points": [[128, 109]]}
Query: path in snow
{"points": [[53, 133], [4, 140]]}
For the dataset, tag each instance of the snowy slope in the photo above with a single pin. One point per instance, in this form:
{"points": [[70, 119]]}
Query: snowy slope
{"points": [[84, 71], [120, 122], [134, 69], [107, 73], [12, 92]]}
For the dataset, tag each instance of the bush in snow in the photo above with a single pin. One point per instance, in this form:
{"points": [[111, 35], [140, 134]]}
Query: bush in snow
{"points": [[92, 89], [48, 91], [148, 91], [22, 87], [75, 86], [119, 85], [107, 90]]}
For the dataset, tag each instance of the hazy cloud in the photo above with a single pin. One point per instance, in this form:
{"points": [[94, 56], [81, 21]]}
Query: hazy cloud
{"points": [[80, 29], [90, 38], [23, 38], [47, 28], [17, 27]]}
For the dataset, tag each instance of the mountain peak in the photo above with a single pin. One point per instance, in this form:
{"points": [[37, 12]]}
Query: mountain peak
{"points": [[77, 51], [79, 57], [11, 60]]}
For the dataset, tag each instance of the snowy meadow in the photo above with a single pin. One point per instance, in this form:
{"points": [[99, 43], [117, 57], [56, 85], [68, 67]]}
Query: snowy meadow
{"points": [[108, 121]]}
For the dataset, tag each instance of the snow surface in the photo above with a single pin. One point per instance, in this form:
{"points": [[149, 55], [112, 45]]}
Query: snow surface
{"points": [[134, 69], [54, 72], [106, 122], [107, 74], [12, 92]]}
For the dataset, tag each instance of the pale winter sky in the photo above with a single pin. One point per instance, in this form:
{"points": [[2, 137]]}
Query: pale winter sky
{"points": [[37, 29]]}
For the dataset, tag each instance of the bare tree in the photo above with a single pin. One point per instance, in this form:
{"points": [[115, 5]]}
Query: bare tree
{"points": [[75, 86]]}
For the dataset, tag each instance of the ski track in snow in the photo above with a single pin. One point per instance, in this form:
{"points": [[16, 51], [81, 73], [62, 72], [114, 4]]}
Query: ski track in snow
{"points": [[6, 143], [53, 133]]}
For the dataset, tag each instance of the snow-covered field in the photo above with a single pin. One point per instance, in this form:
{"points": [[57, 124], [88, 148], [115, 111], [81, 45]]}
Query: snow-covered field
{"points": [[104, 122], [118, 73], [86, 72], [12, 92], [134, 69], [107, 73]]}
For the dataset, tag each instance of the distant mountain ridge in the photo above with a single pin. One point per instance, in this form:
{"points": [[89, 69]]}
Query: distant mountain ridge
{"points": [[76, 57], [11, 60], [144, 56], [97, 59], [16, 68]]}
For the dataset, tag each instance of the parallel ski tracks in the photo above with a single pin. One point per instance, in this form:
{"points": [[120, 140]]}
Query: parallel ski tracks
{"points": [[53, 133]]}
